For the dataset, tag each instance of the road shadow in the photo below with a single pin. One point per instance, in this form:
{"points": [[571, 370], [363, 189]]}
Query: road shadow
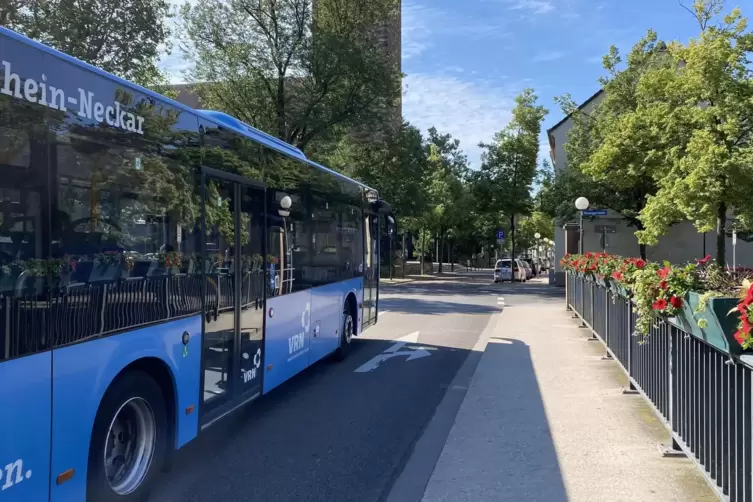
{"points": [[469, 285], [433, 307], [501, 447], [328, 434]]}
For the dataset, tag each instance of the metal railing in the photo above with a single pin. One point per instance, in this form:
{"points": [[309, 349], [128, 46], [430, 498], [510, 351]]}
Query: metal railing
{"points": [[702, 395]]}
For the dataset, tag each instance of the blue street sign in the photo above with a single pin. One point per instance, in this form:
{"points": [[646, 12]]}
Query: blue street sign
{"points": [[595, 212], [500, 235]]}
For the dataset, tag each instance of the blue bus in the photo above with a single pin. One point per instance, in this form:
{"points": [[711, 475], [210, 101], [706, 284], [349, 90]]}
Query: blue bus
{"points": [[159, 267]]}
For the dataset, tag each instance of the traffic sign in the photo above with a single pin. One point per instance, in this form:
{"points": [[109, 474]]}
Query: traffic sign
{"points": [[500, 235], [595, 212]]}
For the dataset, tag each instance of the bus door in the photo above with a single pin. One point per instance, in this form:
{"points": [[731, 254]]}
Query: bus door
{"points": [[233, 255], [371, 269]]}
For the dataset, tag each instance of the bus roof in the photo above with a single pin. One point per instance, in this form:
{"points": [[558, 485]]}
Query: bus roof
{"points": [[218, 118]]}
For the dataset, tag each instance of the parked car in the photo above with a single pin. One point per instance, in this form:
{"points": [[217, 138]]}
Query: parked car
{"points": [[529, 269], [505, 271], [533, 265]]}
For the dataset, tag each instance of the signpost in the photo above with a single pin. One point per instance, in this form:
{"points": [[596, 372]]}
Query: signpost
{"points": [[500, 241], [595, 212]]}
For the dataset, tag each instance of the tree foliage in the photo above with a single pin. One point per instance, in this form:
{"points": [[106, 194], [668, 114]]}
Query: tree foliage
{"points": [[671, 140], [703, 108], [280, 66], [123, 37], [395, 165], [509, 164]]}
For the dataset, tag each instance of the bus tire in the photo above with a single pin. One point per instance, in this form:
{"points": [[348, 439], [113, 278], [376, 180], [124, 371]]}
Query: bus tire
{"points": [[346, 334], [129, 440]]}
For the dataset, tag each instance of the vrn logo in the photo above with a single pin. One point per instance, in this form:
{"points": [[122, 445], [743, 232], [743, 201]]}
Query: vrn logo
{"points": [[14, 474], [297, 342], [251, 374]]}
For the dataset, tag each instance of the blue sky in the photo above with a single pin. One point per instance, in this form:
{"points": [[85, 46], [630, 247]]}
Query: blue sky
{"points": [[466, 60]]}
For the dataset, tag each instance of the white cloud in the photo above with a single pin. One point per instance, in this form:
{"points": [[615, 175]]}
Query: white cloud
{"points": [[417, 21], [422, 24], [548, 56], [471, 111], [534, 6]]}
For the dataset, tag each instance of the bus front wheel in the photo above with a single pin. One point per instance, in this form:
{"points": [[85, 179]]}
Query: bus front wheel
{"points": [[129, 440], [346, 334]]}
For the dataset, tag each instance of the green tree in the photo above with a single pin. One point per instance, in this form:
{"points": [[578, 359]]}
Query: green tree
{"points": [[301, 74], [509, 164], [120, 36], [447, 170], [395, 165], [611, 149], [702, 108]]}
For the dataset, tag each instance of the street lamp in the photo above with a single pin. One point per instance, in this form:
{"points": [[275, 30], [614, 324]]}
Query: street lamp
{"points": [[285, 204], [581, 204]]}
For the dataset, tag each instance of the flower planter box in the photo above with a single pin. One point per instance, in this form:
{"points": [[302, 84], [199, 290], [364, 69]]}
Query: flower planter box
{"points": [[618, 288], [720, 328], [603, 282]]}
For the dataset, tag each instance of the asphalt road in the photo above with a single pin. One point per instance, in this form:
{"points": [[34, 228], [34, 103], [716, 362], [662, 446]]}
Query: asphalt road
{"points": [[334, 433]]}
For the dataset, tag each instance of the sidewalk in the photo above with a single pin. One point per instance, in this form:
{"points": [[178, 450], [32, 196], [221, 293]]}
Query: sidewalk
{"points": [[545, 420]]}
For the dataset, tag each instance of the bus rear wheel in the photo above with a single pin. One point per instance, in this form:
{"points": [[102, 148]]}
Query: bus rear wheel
{"points": [[346, 334], [129, 440]]}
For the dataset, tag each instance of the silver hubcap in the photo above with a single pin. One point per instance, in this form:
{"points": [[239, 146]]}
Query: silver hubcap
{"points": [[129, 446], [348, 328]]}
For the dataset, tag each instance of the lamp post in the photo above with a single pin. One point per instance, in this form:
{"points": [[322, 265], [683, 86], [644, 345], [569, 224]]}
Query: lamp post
{"points": [[581, 204], [285, 203]]}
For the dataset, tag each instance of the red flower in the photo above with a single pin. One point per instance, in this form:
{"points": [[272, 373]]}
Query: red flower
{"points": [[589, 254], [676, 302], [659, 304], [639, 263], [746, 324], [618, 276], [663, 273], [740, 336], [704, 260], [663, 284]]}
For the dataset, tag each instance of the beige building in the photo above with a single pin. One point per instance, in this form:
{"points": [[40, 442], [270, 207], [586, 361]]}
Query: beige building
{"points": [[683, 243]]}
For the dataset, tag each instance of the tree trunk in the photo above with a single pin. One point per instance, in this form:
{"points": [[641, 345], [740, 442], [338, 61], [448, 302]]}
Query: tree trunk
{"points": [[421, 237], [440, 244], [721, 233], [436, 253], [512, 239], [280, 107], [641, 247]]}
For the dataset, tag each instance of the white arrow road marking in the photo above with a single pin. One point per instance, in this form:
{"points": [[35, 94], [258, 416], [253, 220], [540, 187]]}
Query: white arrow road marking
{"points": [[413, 353]]}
